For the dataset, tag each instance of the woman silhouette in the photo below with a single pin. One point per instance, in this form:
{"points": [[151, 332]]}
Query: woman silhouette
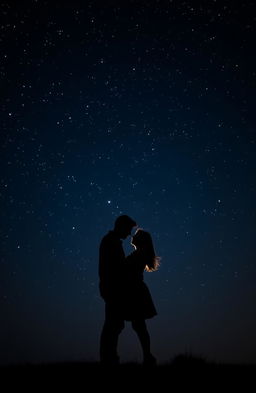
{"points": [[139, 305]]}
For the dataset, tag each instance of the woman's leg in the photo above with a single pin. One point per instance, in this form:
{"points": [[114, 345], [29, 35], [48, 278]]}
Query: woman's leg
{"points": [[140, 327]]}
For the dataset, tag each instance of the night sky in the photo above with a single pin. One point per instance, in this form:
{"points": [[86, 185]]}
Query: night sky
{"points": [[145, 108]]}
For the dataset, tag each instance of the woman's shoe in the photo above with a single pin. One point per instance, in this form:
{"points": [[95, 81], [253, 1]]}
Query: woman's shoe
{"points": [[149, 360]]}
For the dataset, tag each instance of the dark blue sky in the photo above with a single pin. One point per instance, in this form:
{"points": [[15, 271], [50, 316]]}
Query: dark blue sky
{"points": [[145, 108]]}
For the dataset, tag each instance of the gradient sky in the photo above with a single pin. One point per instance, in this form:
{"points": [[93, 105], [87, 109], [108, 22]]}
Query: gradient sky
{"points": [[145, 108]]}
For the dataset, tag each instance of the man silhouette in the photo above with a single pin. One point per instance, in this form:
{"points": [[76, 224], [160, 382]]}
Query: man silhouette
{"points": [[111, 274]]}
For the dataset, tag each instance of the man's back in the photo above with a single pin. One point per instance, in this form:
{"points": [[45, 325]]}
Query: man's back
{"points": [[111, 275], [111, 264]]}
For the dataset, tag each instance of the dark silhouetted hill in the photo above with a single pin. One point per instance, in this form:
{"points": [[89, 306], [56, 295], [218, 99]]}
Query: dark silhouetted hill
{"points": [[182, 371]]}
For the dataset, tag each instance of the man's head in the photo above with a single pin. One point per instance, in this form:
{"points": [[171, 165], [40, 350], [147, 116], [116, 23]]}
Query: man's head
{"points": [[124, 225]]}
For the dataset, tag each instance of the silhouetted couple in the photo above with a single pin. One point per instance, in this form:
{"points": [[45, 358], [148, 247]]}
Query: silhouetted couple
{"points": [[126, 296]]}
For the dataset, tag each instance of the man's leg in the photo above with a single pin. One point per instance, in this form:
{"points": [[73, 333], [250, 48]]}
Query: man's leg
{"points": [[112, 327]]}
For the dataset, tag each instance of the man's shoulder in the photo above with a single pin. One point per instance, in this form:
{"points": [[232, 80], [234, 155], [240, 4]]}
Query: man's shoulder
{"points": [[107, 236], [110, 237]]}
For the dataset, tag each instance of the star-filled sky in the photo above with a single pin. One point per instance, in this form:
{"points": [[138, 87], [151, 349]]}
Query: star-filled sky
{"points": [[145, 108]]}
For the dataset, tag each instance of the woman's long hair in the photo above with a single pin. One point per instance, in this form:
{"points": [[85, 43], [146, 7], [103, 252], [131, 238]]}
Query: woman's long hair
{"points": [[143, 242]]}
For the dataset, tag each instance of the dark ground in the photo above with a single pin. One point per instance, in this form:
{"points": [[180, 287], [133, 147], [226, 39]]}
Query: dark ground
{"points": [[180, 373]]}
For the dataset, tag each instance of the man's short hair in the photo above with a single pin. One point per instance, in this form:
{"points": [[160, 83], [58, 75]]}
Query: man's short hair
{"points": [[125, 221]]}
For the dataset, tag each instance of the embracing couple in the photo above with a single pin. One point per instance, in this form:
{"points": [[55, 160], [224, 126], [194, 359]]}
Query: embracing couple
{"points": [[126, 296]]}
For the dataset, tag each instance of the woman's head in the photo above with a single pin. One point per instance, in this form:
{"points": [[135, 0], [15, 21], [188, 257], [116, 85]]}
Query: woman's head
{"points": [[142, 241]]}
